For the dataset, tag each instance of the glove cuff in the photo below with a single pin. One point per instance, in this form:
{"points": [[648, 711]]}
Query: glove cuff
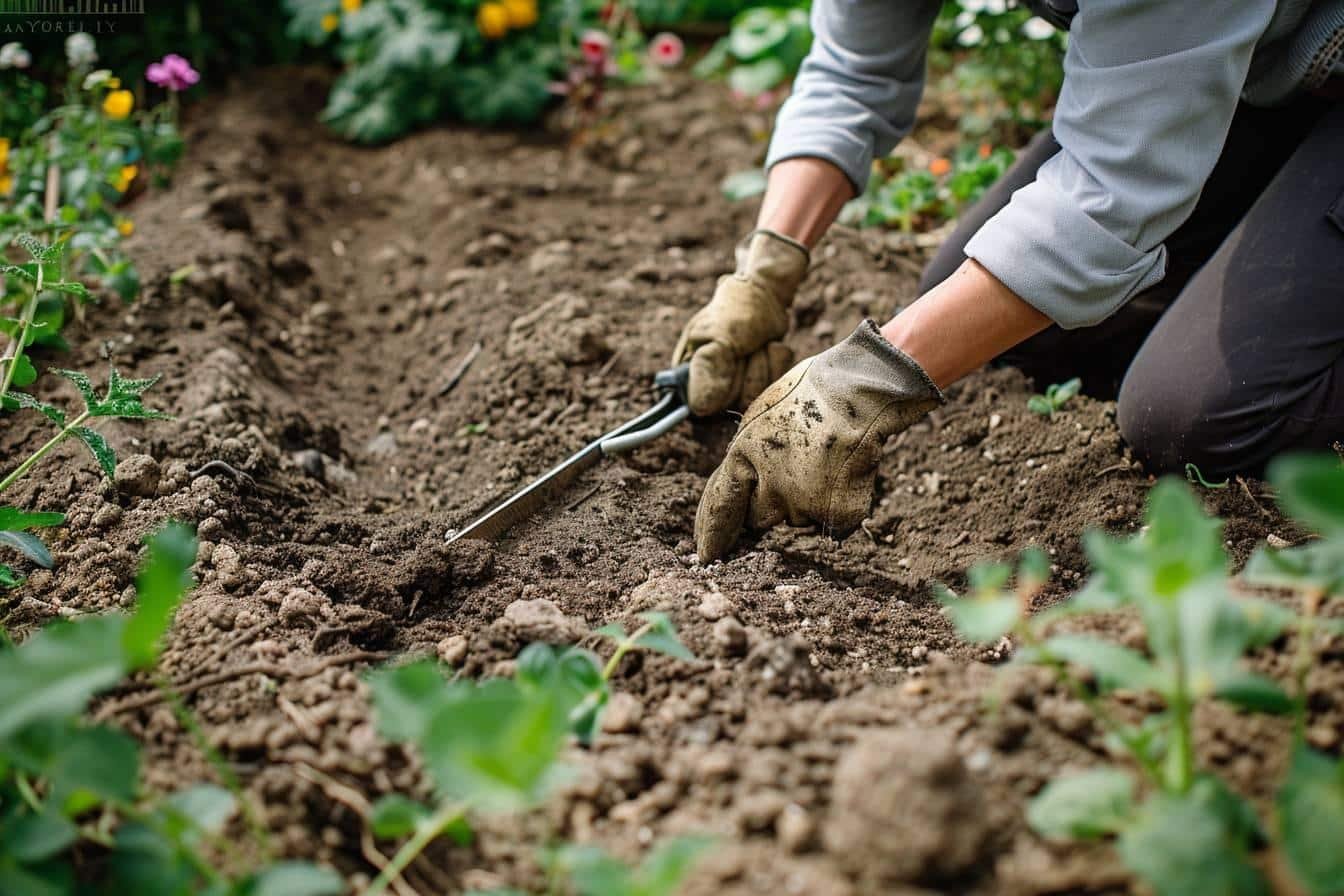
{"points": [[773, 260], [867, 349]]}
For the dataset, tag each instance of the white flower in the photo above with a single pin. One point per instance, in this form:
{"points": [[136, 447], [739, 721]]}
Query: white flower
{"points": [[996, 7], [971, 36], [973, 6], [80, 50], [13, 55], [964, 18], [93, 79], [1037, 28]]}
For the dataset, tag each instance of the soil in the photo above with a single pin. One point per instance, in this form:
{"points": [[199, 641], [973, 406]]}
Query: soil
{"points": [[833, 735]]}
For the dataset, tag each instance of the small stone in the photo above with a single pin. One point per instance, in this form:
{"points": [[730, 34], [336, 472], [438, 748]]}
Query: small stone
{"points": [[301, 608], [995, 420], [794, 828], [210, 529], [714, 606], [107, 516], [623, 714], [311, 463], [759, 811], [551, 257], [383, 444], [453, 649], [730, 636], [1277, 542], [137, 475], [541, 620]]}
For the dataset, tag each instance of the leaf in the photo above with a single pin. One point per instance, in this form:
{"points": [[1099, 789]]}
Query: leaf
{"points": [[612, 631], [296, 879], [743, 184], [164, 579], [203, 810], [1265, 620], [29, 545], [123, 399], [1183, 844], [396, 816], [662, 637], [1311, 490], [1084, 806], [28, 402], [24, 371], [406, 699], [984, 619], [664, 870], [30, 838], [16, 520], [1317, 564], [82, 383], [1252, 692], [98, 447], [1115, 665], [70, 287], [94, 761], [755, 78], [54, 673], [756, 32], [9, 578], [1039, 404], [1311, 820], [1065, 391]]}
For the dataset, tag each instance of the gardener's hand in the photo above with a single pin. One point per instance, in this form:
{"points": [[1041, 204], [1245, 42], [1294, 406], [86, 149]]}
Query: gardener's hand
{"points": [[808, 448], [733, 342]]}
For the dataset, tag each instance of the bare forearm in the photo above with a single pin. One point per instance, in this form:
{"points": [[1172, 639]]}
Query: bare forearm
{"points": [[963, 323], [803, 198]]}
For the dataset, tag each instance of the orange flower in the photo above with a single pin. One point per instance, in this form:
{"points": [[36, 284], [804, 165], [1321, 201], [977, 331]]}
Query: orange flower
{"points": [[521, 13], [6, 185], [330, 22], [985, 150], [493, 20], [351, 5], [939, 166], [125, 226], [122, 179]]}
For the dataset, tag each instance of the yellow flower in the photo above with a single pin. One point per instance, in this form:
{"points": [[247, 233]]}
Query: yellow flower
{"points": [[112, 83], [522, 13], [493, 20], [125, 226], [6, 185], [4, 152], [119, 104], [330, 22], [123, 178], [351, 5]]}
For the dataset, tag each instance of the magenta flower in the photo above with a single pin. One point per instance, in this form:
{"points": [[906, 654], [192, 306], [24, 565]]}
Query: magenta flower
{"points": [[666, 49], [596, 47], [174, 73]]}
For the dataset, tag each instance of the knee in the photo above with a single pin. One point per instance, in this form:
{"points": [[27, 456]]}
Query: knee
{"points": [[1167, 427]]}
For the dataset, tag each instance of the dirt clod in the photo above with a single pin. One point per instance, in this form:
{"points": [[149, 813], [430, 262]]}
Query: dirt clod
{"points": [[138, 476]]}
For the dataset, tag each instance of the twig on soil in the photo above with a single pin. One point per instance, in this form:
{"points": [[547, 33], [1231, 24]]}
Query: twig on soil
{"points": [[1258, 506], [1113, 468], [270, 670], [459, 371], [302, 721], [219, 466], [574, 505], [611, 362]]}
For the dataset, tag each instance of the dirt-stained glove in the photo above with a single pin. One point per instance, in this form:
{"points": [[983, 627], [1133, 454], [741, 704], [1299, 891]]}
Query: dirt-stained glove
{"points": [[733, 342], [808, 448]]}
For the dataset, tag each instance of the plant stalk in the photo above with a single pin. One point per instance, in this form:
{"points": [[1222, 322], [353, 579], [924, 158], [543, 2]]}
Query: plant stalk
{"points": [[622, 649], [1311, 604], [1182, 737], [43, 451], [15, 353], [424, 835]]}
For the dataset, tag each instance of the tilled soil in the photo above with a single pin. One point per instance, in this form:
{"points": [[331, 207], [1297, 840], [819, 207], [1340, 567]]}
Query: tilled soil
{"points": [[834, 735]]}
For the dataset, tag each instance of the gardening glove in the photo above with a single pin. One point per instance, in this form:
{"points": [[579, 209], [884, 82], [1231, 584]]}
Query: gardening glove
{"points": [[808, 448], [733, 342]]}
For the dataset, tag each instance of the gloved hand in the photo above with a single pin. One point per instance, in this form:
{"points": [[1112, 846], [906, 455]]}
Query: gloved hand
{"points": [[808, 448], [733, 342]]}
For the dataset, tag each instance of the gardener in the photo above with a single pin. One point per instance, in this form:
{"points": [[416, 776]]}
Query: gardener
{"points": [[1178, 238]]}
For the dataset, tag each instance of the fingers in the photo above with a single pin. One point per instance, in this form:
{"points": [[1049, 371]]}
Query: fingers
{"points": [[723, 508], [714, 380]]}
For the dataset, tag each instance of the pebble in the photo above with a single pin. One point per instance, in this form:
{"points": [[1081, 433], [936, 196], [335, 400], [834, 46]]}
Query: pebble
{"points": [[714, 606], [794, 828], [623, 714], [730, 636], [137, 475], [453, 650]]}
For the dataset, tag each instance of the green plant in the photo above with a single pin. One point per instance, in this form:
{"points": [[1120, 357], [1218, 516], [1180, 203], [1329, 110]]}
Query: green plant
{"points": [[494, 745], [1176, 824], [762, 51], [15, 526], [412, 62], [1193, 476], [1056, 396], [1007, 66], [69, 794], [592, 872], [918, 200], [122, 399]]}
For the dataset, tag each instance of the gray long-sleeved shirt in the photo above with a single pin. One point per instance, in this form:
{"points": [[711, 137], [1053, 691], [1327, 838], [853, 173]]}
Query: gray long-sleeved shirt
{"points": [[1150, 87]]}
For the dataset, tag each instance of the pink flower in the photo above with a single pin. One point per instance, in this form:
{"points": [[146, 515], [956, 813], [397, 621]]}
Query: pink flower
{"points": [[596, 47], [666, 49], [173, 72]]}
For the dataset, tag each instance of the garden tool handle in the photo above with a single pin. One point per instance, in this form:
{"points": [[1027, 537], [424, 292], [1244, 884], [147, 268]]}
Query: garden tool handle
{"points": [[670, 411]]}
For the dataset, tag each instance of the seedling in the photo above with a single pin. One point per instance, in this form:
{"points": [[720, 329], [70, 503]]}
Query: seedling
{"points": [[1193, 476], [494, 746], [1056, 396], [1177, 825], [66, 784], [15, 533]]}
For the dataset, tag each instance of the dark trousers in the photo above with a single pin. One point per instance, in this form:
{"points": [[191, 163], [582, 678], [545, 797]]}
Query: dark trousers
{"points": [[1238, 354]]}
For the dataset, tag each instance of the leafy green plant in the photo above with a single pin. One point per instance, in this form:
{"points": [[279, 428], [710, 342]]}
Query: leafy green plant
{"points": [[593, 872], [1056, 396], [1005, 65], [412, 62], [920, 199], [494, 745], [762, 51], [1176, 824], [68, 788], [1194, 476], [16, 533]]}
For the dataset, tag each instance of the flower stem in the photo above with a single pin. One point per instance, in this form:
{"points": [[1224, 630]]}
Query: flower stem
{"points": [[424, 835], [43, 451], [21, 338]]}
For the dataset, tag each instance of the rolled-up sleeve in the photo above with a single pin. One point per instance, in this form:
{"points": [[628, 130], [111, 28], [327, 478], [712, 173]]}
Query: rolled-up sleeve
{"points": [[856, 93], [1150, 88]]}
